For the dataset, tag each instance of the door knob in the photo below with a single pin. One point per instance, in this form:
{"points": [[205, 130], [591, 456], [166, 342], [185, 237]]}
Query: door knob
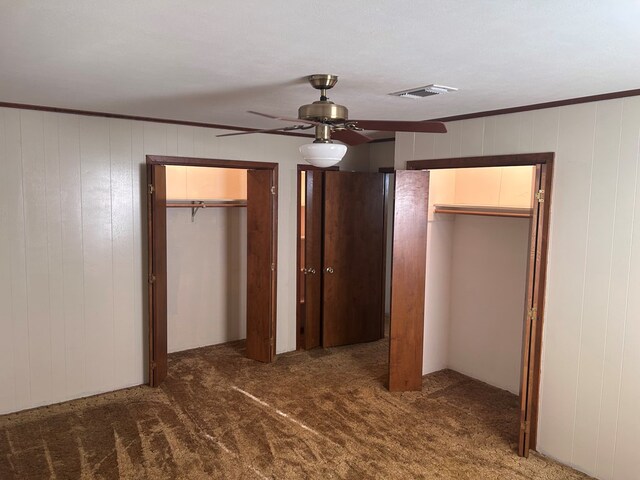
{"points": [[312, 271], [328, 270]]}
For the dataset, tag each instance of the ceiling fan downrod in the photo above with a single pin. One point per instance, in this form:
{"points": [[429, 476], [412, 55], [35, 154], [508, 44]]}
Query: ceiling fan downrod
{"points": [[323, 133]]}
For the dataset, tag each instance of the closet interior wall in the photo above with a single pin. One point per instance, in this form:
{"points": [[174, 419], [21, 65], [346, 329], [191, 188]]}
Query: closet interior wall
{"points": [[206, 258], [488, 280]]}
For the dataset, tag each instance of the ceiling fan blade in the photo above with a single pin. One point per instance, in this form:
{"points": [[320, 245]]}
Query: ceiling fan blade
{"points": [[350, 137], [267, 130], [285, 119], [401, 126]]}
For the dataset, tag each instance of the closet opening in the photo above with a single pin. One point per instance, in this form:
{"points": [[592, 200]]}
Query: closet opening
{"points": [[206, 256], [309, 256], [488, 220], [340, 257], [212, 256]]}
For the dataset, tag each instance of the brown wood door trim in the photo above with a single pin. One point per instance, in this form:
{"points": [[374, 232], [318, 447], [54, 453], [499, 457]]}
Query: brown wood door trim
{"points": [[157, 276], [158, 358], [150, 256], [274, 256], [533, 355], [209, 162], [483, 161], [306, 168]]}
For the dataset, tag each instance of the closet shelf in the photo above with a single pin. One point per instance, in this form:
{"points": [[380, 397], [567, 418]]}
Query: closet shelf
{"points": [[484, 210]]}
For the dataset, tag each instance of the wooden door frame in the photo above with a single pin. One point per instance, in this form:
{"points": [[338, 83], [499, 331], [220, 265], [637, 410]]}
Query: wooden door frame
{"points": [[300, 338], [216, 163], [546, 159]]}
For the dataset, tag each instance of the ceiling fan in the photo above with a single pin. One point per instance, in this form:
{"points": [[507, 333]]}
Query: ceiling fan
{"points": [[331, 120]]}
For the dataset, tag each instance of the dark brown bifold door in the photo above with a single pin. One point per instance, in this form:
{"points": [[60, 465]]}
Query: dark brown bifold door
{"points": [[157, 246], [531, 338], [353, 258], [260, 266], [314, 185], [408, 274]]}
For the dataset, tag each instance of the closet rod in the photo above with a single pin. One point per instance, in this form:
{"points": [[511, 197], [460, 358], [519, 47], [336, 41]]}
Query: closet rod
{"points": [[207, 204], [196, 205]]}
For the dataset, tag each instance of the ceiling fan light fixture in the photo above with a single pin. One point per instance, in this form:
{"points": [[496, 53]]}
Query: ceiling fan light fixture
{"points": [[323, 155]]}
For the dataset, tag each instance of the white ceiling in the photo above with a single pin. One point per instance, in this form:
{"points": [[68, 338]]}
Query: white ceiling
{"points": [[210, 61]]}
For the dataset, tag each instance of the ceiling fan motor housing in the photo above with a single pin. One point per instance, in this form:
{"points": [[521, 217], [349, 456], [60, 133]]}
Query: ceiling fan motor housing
{"points": [[323, 111]]}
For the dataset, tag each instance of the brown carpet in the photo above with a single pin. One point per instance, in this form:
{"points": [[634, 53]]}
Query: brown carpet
{"points": [[321, 414]]}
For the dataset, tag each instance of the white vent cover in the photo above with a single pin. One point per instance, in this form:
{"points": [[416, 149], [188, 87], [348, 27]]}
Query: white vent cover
{"points": [[426, 91]]}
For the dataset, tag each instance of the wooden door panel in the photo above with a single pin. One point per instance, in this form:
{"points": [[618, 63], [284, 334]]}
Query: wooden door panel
{"points": [[542, 246], [157, 224], [531, 331], [408, 276], [353, 258], [260, 261], [313, 258]]}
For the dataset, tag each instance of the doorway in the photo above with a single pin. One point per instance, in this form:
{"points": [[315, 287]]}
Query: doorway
{"points": [[206, 256], [340, 283], [533, 316], [261, 205]]}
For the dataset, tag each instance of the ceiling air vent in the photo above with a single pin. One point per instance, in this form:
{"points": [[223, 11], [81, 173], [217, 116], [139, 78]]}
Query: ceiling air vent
{"points": [[426, 91]]}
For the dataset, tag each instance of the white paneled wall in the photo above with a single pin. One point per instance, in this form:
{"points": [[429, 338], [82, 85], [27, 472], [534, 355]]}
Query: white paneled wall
{"points": [[591, 352], [72, 246], [380, 155]]}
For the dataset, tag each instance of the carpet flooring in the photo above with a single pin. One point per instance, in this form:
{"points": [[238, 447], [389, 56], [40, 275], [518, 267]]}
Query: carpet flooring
{"points": [[321, 414]]}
